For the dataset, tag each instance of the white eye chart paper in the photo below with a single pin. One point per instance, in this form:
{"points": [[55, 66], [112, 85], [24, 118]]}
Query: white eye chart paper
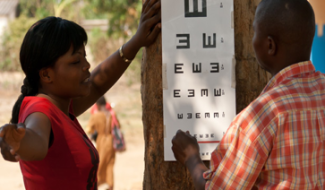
{"points": [[198, 71]]}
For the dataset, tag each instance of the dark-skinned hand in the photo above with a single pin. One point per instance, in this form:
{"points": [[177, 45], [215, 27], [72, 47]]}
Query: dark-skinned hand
{"points": [[149, 26], [5, 151], [10, 139], [185, 146]]}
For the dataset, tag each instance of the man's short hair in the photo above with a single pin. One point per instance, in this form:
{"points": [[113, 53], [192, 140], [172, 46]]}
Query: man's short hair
{"points": [[288, 21]]}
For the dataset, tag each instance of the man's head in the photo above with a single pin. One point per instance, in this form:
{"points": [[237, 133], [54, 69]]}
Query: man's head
{"points": [[284, 32]]}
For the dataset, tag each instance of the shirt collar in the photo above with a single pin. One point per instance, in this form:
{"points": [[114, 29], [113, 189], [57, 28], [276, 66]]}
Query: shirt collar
{"points": [[292, 70]]}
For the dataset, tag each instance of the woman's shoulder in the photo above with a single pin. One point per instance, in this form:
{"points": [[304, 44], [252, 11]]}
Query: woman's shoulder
{"points": [[32, 104], [35, 101]]}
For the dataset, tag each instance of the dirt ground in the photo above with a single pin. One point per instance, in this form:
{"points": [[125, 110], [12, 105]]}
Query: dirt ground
{"points": [[126, 96]]}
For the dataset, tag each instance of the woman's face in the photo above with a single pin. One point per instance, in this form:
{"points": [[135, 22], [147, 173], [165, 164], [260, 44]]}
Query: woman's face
{"points": [[71, 74]]}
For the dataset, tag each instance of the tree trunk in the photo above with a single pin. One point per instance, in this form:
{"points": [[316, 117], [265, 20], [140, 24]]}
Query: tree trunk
{"points": [[250, 78]]}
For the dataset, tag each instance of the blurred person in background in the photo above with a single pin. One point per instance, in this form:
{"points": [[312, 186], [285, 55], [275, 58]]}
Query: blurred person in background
{"points": [[101, 124]]}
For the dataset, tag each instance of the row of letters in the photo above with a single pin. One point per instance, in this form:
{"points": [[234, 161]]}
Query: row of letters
{"points": [[202, 136], [204, 92], [205, 153], [184, 43], [199, 116], [197, 68]]}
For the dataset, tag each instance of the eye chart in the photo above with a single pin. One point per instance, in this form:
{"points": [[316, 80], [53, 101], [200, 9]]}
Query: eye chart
{"points": [[198, 71]]}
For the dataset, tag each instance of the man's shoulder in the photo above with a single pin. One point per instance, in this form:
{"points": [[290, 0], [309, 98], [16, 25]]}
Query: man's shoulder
{"points": [[291, 95], [265, 107]]}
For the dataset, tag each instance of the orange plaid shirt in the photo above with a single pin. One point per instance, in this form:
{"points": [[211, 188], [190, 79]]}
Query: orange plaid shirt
{"points": [[278, 141]]}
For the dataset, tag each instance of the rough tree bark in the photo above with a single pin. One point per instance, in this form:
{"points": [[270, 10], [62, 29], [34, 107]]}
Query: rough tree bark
{"points": [[250, 78]]}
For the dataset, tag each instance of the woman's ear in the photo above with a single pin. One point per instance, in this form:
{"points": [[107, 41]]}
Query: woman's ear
{"points": [[45, 75], [272, 49]]}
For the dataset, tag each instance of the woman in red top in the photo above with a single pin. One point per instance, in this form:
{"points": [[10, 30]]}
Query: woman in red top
{"points": [[44, 134]]}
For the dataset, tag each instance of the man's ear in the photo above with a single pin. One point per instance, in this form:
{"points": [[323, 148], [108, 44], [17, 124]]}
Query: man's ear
{"points": [[46, 75], [272, 49]]}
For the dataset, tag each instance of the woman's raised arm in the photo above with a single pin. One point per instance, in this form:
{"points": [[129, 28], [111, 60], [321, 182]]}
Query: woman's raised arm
{"points": [[110, 70]]}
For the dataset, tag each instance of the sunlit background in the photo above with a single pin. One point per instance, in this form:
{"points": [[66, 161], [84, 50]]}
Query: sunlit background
{"points": [[109, 24]]}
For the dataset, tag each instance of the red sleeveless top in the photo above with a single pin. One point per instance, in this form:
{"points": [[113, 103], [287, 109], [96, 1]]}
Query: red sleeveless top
{"points": [[71, 161]]}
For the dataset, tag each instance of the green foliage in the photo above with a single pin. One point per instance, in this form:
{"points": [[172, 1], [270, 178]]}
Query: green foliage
{"points": [[101, 46], [11, 42], [98, 45], [36, 8], [123, 15], [43, 8]]}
